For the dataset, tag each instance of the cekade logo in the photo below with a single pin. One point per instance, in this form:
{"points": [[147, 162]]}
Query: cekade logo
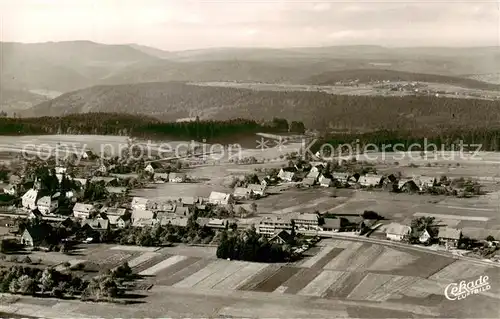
{"points": [[463, 289]]}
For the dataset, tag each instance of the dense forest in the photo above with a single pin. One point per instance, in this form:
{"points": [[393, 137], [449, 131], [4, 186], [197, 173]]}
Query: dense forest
{"points": [[143, 127], [317, 110]]}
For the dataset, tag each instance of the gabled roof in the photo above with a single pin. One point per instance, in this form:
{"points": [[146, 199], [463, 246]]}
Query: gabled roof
{"points": [[113, 211], [161, 175], [218, 196], [305, 216], [340, 175], [139, 201], [176, 221], [38, 232], [182, 211], [83, 208], [31, 194], [313, 175], [398, 229], [283, 235], [177, 175], [256, 187], [288, 175], [309, 181], [370, 179], [449, 233], [116, 190], [97, 223], [142, 214]]}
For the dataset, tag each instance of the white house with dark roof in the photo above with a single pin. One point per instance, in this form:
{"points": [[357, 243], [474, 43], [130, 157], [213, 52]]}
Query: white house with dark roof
{"points": [[83, 211], [47, 205], [324, 181]]}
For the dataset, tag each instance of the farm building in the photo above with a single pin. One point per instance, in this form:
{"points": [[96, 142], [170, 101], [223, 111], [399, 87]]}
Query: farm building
{"points": [[341, 177], [182, 211], [217, 198], [282, 238], [313, 174], [318, 168], [47, 205], [397, 232], [332, 224], [214, 223], [30, 198], [257, 189], [242, 193], [82, 210], [177, 177], [371, 180], [272, 225], [174, 221], [449, 237]]}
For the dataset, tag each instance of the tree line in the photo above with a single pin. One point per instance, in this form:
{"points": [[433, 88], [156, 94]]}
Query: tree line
{"points": [[142, 126]]}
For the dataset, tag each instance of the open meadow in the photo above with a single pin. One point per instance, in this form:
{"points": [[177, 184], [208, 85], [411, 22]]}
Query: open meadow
{"points": [[344, 278]]}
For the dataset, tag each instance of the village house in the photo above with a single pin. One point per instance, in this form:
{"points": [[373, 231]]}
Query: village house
{"points": [[149, 169], [341, 177], [60, 170], [424, 182], [332, 224], [287, 174], [113, 211], [218, 198], [371, 180], [282, 238], [306, 221], [10, 189], [83, 211], [313, 174], [35, 214], [317, 169], [47, 205], [81, 181], [141, 214], [397, 232], [161, 177], [96, 224], [30, 198], [449, 237], [177, 177], [325, 182], [123, 221], [116, 190], [242, 193], [269, 226], [308, 181], [139, 203], [33, 236], [108, 180], [257, 189], [214, 223], [174, 221]]}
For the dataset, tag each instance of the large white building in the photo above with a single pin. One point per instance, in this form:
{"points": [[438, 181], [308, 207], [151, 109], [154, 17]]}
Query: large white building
{"points": [[270, 226], [47, 205], [29, 199]]}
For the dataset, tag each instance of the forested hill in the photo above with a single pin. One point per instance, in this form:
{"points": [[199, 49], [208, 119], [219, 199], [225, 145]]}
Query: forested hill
{"points": [[143, 127], [317, 110], [373, 75]]}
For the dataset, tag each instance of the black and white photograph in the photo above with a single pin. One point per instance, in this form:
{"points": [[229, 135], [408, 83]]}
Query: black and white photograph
{"points": [[249, 159]]}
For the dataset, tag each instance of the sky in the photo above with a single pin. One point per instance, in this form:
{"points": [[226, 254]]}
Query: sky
{"points": [[185, 24]]}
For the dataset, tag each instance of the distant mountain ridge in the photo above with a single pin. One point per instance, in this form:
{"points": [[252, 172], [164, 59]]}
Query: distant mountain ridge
{"points": [[317, 110]]}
